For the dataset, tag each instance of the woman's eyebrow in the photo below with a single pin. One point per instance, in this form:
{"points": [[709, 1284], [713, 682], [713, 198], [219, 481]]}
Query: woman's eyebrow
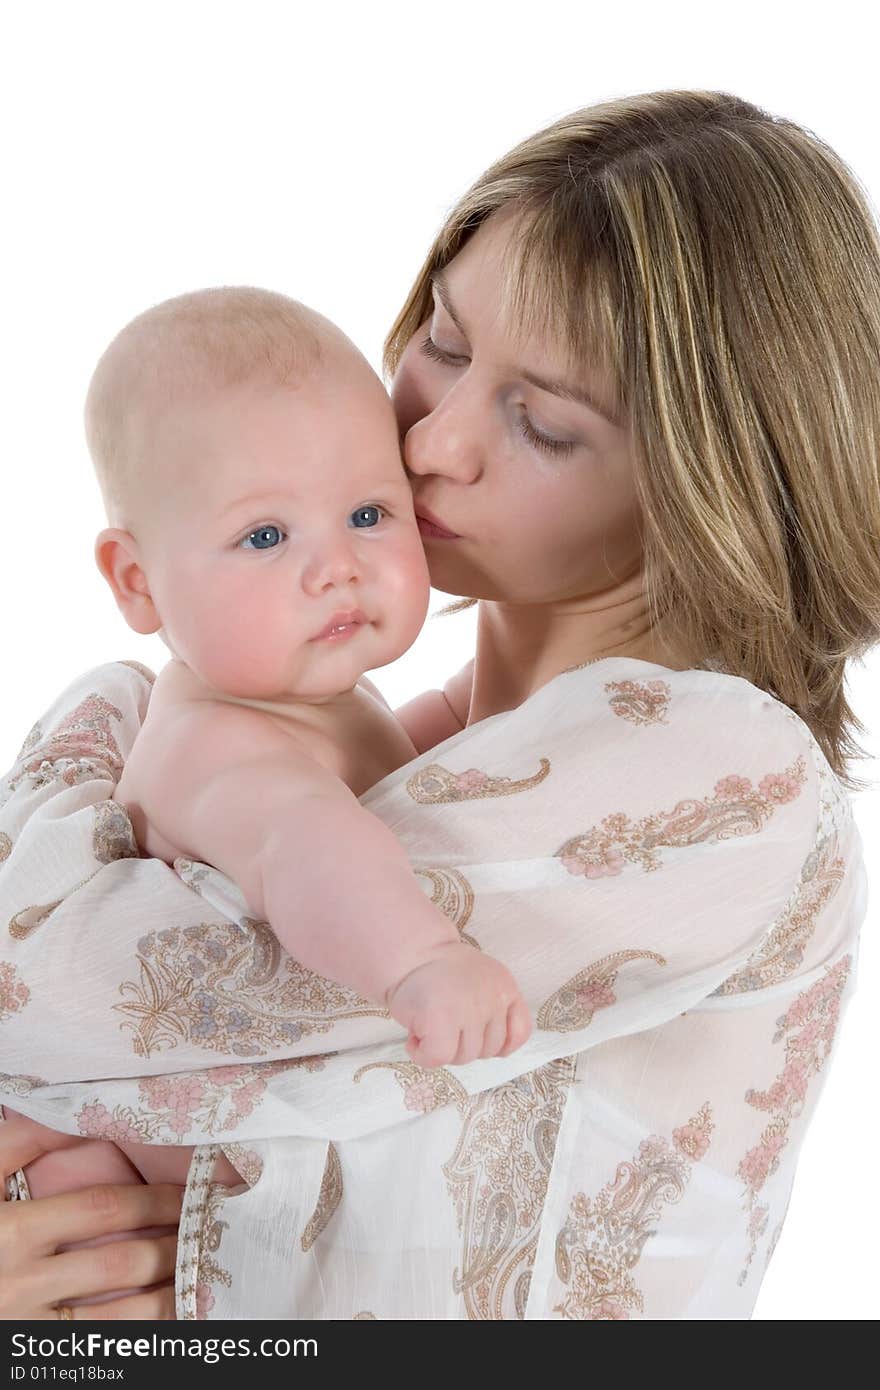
{"points": [[438, 282], [556, 388]]}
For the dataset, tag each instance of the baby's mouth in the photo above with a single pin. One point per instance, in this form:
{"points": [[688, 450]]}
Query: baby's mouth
{"points": [[343, 624]]}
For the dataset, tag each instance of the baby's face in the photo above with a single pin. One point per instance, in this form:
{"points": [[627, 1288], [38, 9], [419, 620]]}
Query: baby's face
{"points": [[280, 509]]}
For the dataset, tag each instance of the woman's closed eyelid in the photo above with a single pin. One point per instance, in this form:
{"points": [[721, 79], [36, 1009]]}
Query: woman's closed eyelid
{"points": [[546, 444]]}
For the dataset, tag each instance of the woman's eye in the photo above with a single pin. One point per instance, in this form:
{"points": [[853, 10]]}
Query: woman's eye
{"points": [[264, 538], [544, 441], [368, 516], [450, 359]]}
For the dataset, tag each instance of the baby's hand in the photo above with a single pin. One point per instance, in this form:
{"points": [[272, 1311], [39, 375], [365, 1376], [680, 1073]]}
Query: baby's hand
{"points": [[460, 1006]]}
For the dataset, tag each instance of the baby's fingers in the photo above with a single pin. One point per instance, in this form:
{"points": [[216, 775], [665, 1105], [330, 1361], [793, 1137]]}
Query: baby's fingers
{"points": [[519, 1027], [470, 1044], [495, 1035], [436, 1047]]}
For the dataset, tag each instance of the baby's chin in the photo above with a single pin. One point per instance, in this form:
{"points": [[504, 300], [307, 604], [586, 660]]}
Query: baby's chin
{"points": [[320, 671]]}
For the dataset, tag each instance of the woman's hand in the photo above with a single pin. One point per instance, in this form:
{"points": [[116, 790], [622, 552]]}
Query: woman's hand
{"points": [[36, 1277]]}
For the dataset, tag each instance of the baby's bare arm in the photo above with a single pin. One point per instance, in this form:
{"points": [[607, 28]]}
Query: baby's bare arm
{"points": [[331, 879], [226, 786]]}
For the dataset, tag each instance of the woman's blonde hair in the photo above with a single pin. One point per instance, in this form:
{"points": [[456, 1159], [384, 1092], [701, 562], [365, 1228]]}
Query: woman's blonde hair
{"points": [[723, 265]]}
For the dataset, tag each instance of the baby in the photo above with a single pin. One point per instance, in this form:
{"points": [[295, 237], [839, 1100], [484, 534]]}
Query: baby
{"points": [[262, 523]]}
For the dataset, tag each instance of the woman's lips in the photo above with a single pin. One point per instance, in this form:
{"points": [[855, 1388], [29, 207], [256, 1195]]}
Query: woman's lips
{"points": [[432, 526]]}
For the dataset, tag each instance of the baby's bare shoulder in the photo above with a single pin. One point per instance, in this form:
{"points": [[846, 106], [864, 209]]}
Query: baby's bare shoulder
{"points": [[188, 740], [181, 703], [207, 780]]}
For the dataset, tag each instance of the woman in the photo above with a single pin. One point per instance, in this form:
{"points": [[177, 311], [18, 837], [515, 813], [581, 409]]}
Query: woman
{"points": [[635, 384]]}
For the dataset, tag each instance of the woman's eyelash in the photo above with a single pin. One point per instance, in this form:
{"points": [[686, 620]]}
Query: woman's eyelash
{"points": [[540, 441], [543, 441], [430, 349]]}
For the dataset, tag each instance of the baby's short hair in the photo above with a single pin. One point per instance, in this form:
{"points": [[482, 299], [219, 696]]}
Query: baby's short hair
{"points": [[181, 348]]}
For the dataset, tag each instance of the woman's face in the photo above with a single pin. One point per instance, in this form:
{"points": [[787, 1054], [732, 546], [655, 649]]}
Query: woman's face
{"points": [[537, 486]]}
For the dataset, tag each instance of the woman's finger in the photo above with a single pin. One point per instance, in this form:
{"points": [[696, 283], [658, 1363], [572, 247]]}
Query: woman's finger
{"points": [[153, 1305], [157, 1305], [94, 1211], [123, 1264]]}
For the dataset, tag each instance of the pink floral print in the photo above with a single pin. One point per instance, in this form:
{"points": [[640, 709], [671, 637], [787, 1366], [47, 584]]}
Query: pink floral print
{"points": [[808, 1026], [14, 993], [735, 808]]}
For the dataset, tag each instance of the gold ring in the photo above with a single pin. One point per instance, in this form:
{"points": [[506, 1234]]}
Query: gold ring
{"points": [[15, 1188], [64, 1311]]}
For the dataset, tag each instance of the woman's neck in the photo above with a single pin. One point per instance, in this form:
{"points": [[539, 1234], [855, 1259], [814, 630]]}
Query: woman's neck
{"points": [[520, 648]]}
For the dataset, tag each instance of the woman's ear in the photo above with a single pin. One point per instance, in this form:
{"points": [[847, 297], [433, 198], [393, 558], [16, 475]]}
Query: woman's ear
{"points": [[118, 558]]}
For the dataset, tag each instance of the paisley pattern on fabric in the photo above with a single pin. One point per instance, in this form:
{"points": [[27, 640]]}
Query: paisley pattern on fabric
{"points": [[21, 1085], [601, 1243], [454, 896], [497, 1178], [573, 1006], [782, 951], [736, 808], [808, 1026], [112, 839], [640, 702], [423, 1089], [81, 747], [113, 836], [231, 988], [469, 1192], [329, 1198], [26, 921], [433, 785]]}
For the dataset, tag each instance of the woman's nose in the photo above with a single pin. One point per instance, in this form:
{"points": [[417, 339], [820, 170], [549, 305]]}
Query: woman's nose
{"points": [[447, 441]]}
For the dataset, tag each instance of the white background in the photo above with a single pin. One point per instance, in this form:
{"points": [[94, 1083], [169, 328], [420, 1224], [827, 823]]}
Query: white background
{"points": [[153, 148]]}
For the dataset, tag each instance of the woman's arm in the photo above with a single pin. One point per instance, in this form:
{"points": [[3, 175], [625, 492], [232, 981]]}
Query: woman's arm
{"points": [[436, 715]]}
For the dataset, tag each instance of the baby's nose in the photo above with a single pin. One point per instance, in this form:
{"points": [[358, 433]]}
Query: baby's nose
{"points": [[333, 567]]}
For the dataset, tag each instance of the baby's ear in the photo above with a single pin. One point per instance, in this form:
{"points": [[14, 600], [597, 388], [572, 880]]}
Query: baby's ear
{"points": [[118, 558]]}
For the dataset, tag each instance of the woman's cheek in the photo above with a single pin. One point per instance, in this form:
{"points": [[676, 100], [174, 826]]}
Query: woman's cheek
{"points": [[410, 394]]}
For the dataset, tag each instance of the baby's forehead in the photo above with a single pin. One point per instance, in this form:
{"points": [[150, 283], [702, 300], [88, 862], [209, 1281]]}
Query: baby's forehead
{"points": [[259, 440]]}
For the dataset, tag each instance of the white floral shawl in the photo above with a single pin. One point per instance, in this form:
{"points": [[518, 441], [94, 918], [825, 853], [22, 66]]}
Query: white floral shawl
{"points": [[671, 870]]}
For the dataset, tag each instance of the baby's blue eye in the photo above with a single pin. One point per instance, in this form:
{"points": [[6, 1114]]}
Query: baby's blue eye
{"points": [[267, 537], [367, 516]]}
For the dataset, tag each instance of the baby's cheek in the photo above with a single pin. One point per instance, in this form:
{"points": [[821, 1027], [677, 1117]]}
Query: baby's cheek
{"points": [[241, 648], [413, 589]]}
